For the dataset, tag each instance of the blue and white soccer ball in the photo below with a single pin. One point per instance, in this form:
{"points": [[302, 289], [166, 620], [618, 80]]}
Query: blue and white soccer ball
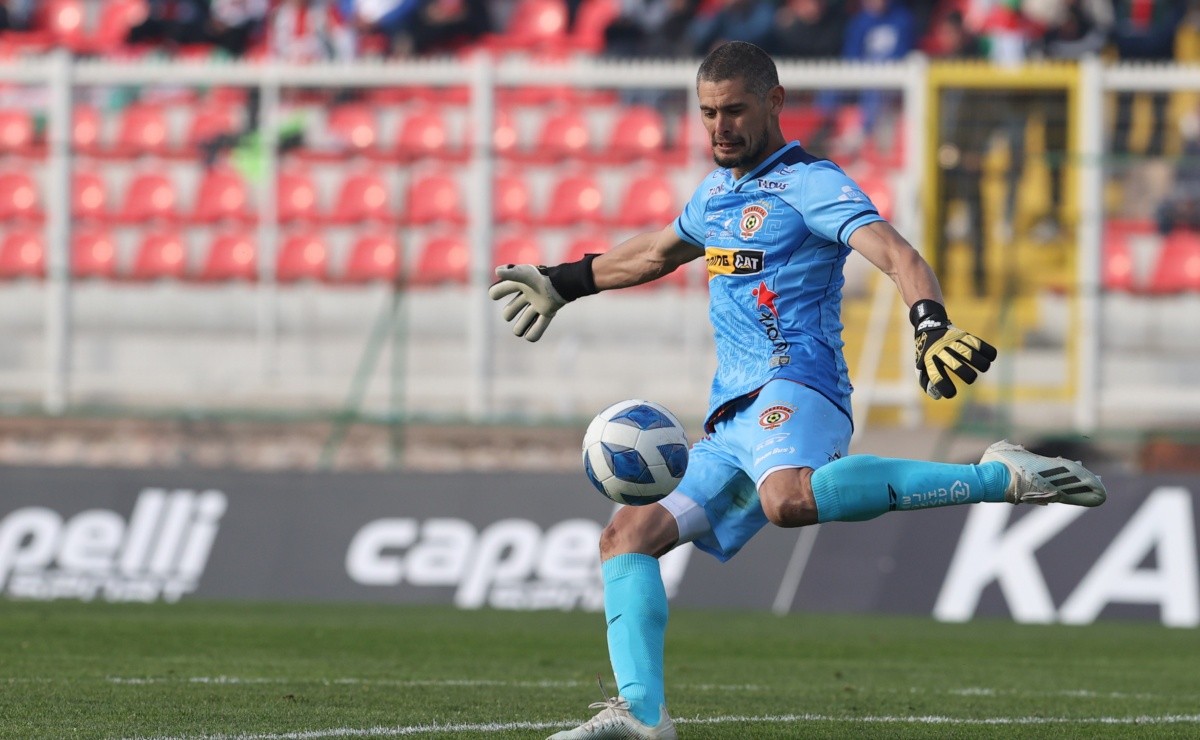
{"points": [[635, 452]]}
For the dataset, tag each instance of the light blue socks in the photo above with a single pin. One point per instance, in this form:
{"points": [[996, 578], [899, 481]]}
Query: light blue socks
{"points": [[635, 605], [861, 487]]}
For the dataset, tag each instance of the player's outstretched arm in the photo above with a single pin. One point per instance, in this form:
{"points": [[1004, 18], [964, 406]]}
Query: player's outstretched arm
{"points": [[538, 292], [942, 348]]}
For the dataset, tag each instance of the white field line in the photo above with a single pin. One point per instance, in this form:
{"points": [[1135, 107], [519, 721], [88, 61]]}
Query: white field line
{"points": [[463, 682], [444, 729]]}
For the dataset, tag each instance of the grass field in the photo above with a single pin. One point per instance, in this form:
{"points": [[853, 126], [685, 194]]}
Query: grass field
{"points": [[198, 670]]}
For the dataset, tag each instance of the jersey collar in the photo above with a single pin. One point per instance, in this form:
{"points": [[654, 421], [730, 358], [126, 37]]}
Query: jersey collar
{"points": [[767, 164]]}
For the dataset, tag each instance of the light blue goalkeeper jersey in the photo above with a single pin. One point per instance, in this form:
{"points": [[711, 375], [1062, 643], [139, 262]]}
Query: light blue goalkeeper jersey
{"points": [[775, 244]]}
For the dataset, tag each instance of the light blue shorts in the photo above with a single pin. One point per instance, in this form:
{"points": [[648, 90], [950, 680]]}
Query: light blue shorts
{"points": [[787, 425]]}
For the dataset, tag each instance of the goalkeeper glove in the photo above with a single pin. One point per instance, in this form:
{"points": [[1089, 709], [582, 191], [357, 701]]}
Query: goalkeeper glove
{"points": [[941, 346], [540, 292]]}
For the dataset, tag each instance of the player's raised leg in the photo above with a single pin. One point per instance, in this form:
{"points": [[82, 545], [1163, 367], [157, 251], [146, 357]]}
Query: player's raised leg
{"points": [[861, 487], [635, 608]]}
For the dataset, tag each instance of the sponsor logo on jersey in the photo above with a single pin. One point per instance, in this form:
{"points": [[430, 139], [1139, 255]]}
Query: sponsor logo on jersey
{"points": [[733, 261], [854, 194], [716, 190], [768, 319], [753, 218], [159, 553], [764, 184], [776, 416]]}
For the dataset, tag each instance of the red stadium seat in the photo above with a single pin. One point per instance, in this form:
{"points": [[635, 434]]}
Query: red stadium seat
{"points": [[86, 129], [302, 257], [575, 199], [296, 196], [354, 126], [591, 20], [589, 243], [23, 255], [1117, 262], [425, 134], [434, 198], [222, 196], [639, 133], [518, 249], [505, 137], [93, 254], [443, 259], [114, 23], [649, 201], [563, 135], [149, 196], [19, 198], [208, 122], [89, 197], [1178, 267], [142, 130], [363, 196], [373, 257], [231, 256], [511, 200], [17, 134], [161, 255], [66, 21], [535, 24]]}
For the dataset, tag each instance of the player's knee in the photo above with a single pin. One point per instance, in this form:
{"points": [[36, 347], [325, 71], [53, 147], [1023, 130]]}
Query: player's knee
{"points": [[648, 530], [787, 498]]}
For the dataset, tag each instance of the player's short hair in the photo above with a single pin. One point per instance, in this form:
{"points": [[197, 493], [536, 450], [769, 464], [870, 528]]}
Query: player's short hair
{"points": [[740, 60]]}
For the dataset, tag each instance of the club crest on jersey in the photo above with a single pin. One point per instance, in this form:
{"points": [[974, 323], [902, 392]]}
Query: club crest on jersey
{"points": [[753, 217], [776, 416]]}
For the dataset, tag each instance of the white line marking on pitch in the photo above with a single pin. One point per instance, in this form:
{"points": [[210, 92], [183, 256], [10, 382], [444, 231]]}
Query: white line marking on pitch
{"points": [[443, 729], [468, 682]]}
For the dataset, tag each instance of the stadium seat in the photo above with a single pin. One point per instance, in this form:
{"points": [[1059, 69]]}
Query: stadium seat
{"points": [[434, 198], [113, 25], [575, 199], [563, 135], [65, 20], [296, 196], [1178, 267], [425, 134], [591, 20], [89, 197], [505, 138], [350, 128], [208, 122], [86, 129], [222, 195], [23, 255], [638, 134], [302, 257], [93, 254], [518, 249], [879, 190], [231, 256], [161, 255], [511, 200], [443, 258], [19, 198], [142, 130], [373, 257], [649, 201], [363, 196], [536, 24], [149, 196], [1117, 262], [17, 134]]}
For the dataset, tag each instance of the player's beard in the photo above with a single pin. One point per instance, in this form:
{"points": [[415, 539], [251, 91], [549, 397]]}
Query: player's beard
{"points": [[749, 155]]}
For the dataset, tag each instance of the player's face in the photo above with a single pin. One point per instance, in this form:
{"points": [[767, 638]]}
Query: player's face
{"points": [[739, 123]]}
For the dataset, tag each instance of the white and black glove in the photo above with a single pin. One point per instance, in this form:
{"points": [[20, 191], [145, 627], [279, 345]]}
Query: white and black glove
{"points": [[941, 346], [540, 292]]}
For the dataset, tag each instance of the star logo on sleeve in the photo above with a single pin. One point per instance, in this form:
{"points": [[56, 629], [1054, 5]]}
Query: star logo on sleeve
{"points": [[766, 297]]}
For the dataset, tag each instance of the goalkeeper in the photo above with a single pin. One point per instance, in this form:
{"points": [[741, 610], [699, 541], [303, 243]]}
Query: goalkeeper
{"points": [[775, 225]]}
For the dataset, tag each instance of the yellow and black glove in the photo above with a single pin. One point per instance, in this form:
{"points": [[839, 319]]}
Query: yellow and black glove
{"points": [[943, 347]]}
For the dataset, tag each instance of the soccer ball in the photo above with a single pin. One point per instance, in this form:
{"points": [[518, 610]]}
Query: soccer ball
{"points": [[635, 452]]}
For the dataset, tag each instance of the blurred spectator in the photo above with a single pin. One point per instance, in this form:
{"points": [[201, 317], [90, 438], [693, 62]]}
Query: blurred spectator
{"points": [[235, 24], [1144, 30], [1181, 208], [1077, 28], [949, 38], [650, 28], [172, 22], [1004, 30], [733, 20], [310, 31], [808, 29], [882, 30], [442, 25]]}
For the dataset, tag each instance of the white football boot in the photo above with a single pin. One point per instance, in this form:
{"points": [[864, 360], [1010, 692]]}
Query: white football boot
{"points": [[1035, 479], [614, 722]]}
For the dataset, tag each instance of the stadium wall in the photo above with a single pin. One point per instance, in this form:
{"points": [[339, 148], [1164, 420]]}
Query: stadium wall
{"points": [[528, 541]]}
